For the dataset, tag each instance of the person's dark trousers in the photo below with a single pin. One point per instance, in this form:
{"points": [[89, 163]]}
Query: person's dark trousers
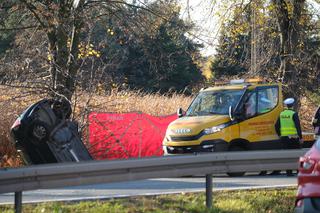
{"points": [[290, 143]]}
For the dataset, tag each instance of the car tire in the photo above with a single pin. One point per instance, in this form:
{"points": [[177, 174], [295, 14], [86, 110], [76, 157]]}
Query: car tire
{"points": [[39, 132], [236, 174]]}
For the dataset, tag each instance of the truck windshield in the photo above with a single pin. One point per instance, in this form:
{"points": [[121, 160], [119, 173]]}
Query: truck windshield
{"points": [[214, 102]]}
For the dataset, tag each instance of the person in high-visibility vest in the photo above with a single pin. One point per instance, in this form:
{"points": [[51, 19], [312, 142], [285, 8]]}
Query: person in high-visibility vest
{"points": [[288, 128]]}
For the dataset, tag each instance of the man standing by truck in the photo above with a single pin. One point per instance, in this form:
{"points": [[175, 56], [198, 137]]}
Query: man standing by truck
{"points": [[288, 128]]}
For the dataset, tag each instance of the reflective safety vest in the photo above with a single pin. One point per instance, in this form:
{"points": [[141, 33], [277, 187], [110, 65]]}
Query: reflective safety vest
{"points": [[287, 126]]}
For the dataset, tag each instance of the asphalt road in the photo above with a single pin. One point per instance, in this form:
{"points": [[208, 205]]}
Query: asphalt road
{"points": [[151, 187]]}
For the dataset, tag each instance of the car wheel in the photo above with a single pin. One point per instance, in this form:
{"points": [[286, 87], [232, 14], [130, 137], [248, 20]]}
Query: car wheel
{"points": [[236, 174], [39, 132]]}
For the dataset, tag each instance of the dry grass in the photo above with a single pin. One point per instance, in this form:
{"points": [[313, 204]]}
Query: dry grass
{"points": [[306, 113], [14, 100], [131, 101]]}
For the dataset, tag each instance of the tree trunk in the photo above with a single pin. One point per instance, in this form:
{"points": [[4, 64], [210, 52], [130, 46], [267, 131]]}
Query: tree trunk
{"points": [[289, 29], [63, 50]]}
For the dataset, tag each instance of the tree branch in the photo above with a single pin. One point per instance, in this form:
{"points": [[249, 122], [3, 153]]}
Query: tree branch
{"points": [[32, 8], [20, 28], [128, 4]]}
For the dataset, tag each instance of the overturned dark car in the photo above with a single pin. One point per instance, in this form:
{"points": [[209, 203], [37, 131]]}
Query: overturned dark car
{"points": [[43, 133]]}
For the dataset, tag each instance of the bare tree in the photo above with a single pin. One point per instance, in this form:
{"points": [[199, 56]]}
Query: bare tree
{"points": [[61, 22], [288, 16]]}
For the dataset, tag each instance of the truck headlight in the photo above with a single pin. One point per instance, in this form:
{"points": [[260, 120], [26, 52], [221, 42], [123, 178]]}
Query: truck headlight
{"points": [[214, 129]]}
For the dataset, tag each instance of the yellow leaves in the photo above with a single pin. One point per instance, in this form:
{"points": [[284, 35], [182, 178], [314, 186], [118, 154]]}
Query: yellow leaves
{"points": [[237, 30], [110, 31], [274, 34], [100, 89], [206, 70], [87, 51], [303, 20], [300, 45], [271, 7], [240, 28], [49, 57], [260, 21], [290, 9]]}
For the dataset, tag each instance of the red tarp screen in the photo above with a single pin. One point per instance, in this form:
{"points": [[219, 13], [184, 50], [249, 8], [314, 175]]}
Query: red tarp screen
{"points": [[126, 135]]}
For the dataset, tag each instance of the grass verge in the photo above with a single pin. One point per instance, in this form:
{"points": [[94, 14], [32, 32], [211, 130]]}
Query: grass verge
{"points": [[250, 201]]}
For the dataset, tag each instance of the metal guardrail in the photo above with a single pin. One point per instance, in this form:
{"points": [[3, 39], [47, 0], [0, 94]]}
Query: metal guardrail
{"points": [[94, 172]]}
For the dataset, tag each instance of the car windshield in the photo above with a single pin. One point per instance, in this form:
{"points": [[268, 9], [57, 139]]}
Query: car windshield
{"points": [[214, 102]]}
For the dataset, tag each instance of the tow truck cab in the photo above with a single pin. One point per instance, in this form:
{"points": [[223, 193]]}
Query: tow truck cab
{"points": [[238, 116]]}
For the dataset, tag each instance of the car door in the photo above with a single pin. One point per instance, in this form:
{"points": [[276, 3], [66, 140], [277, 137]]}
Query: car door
{"points": [[261, 111]]}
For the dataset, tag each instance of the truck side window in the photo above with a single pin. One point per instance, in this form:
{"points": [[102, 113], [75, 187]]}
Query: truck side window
{"points": [[251, 105], [267, 99]]}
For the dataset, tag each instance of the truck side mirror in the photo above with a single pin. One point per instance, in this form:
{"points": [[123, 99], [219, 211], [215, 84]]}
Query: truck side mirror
{"points": [[180, 112], [231, 115]]}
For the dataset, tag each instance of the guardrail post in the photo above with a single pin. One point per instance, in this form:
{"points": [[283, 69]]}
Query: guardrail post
{"points": [[209, 190], [18, 202]]}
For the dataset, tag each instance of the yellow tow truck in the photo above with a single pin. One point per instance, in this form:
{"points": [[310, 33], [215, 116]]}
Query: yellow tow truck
{"points": [[234, 117]]}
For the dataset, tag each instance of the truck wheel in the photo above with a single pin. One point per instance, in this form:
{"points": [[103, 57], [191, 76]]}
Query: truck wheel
{"points": [[236, 174]]}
